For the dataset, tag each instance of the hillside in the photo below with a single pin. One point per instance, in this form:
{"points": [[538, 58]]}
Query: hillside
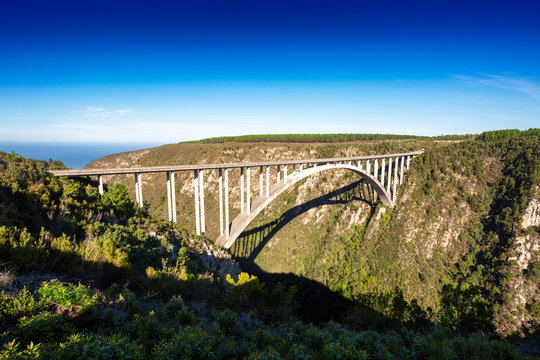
{"points": [[446, 235], [89, 276]]}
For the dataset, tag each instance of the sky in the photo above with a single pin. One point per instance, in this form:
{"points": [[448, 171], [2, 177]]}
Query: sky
{"points": [[161, 72]]}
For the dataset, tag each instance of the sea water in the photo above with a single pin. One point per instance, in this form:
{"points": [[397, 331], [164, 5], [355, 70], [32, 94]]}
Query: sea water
{"points": [[73, 155]]}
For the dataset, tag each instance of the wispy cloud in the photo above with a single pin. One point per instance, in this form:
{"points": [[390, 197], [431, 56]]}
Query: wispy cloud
{"points": [[98, 112], [524, 85]]}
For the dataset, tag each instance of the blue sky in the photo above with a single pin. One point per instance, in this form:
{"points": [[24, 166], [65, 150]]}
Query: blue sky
{"points": [[161, 72]]}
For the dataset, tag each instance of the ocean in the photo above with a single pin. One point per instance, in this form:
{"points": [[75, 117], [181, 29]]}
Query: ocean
{"points": [[74, 156]]}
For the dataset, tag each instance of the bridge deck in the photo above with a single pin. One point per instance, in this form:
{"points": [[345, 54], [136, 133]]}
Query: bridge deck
{"points": [[154, 169]]}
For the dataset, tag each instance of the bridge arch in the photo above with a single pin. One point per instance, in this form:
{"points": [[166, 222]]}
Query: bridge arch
{"points": [[241, 222]]}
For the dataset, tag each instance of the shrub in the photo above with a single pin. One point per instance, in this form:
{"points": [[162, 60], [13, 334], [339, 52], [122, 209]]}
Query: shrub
{"points": [[179, 313], [129, 302], [188, 343], [226, 320], [248, 287], [43, 328], [67, 295], [118, 200], [114, 347], [18, 304], [13, 351]]}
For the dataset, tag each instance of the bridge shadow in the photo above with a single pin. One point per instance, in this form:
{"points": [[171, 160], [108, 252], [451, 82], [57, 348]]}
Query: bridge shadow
{"points": [[250, 243]]}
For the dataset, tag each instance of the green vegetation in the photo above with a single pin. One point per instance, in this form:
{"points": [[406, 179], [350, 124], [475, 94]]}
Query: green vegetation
{"points": [[322, 138], [95, 277], [445, 254]]}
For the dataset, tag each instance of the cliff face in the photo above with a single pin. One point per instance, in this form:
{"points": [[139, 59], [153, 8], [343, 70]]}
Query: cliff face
{"points": [[458, 220]]}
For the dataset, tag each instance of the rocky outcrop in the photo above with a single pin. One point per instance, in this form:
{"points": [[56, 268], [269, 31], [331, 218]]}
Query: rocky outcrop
{"points": [[531, 217]]}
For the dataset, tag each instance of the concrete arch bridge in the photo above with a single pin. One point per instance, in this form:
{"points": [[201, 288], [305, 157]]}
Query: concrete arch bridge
{"points": [[382, 172]]}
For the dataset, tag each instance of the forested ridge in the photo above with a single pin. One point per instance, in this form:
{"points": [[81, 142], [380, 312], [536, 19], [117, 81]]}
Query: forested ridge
{"points": [[90, 276], [323, 138]]}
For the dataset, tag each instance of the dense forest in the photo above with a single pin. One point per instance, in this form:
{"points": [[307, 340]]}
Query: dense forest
{"points": [[94, 277], [323, 138]]}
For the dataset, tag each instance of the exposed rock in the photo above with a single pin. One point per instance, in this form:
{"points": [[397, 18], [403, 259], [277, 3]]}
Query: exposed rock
{"points": [[531, 217]]}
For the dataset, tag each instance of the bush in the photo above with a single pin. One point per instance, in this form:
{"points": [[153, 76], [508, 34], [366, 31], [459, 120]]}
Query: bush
{"points": [[43, 328], [114, 347], [117, 198], [188, 343], [19, 304], [67, 295], [226, 319], [13, 351]]}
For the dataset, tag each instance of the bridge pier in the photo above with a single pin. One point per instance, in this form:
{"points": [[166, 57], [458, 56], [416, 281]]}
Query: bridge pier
{"points": [[242, 190], [220, 195], [383, 169], [100, 186], [169, 200], [227, 226], [261, 185], [408, 161], [201, 193], [248, 190], [376, 169], [268, 181], [401, 174], [395, 180], [197, 208], [284, 173], [138, 189], [389, 175], [368, 167]]}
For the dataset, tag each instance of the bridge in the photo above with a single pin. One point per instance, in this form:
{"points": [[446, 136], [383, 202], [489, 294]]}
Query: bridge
{"points": [[382, 172]]}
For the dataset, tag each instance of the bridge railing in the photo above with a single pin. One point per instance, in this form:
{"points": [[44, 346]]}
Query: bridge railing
{"points": [[368, 164]]}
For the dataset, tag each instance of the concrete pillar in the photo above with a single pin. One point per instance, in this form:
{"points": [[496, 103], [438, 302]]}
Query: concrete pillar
{"points": [[383, 169], [360, 164], [401, 174], [301, 168], [368, 166], [226, 203], [136, 189], [100, 186], [139, 177], [242, 190], [248, 190], [278, 173], [173, 197], [376, 168], [261, 183], [395, 180], [197, 207], [220, 194], [284, 173], [201, 193], [268, 181], [169, 202], [408, 162], [389, 175]]}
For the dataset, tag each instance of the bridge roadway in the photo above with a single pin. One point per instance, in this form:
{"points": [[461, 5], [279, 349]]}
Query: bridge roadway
{"points": [[381, 181]]}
